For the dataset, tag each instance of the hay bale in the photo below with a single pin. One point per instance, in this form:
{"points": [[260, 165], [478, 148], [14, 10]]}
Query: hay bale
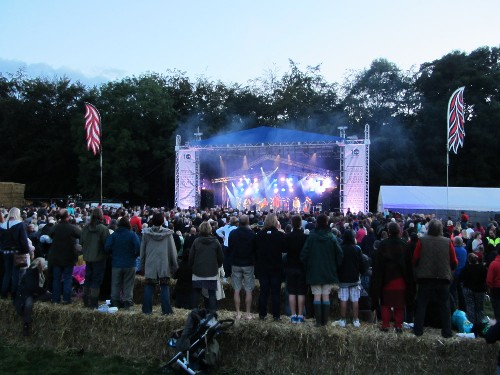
{"points": [[252, 347]]}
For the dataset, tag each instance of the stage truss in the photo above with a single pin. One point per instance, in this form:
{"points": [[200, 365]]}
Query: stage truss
{"points": [[354, 158]]}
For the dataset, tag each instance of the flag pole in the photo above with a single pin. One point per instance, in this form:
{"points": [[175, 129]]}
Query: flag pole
{"points": [[100, 160]]}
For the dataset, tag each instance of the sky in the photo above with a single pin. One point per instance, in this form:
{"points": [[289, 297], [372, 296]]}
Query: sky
{"points": [[235, 41]]}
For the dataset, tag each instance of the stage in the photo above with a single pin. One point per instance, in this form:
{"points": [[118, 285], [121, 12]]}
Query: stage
{"points": [[268, 168]]}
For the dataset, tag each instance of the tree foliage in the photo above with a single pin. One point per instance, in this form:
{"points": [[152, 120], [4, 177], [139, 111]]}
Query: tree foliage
{"points": [[42, 127]]}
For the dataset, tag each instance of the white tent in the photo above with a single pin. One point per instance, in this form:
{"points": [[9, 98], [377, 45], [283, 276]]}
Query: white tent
{"points": [[407, 199]]}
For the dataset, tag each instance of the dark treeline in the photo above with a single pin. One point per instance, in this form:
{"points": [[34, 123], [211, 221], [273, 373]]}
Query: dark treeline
{"points": [[43, 140]]}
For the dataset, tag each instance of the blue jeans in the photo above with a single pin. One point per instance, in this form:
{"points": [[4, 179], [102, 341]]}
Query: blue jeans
{"points": [[94, 274], [147, 304], [66, 273], [228, 261], [212, 299], [270, 283]]}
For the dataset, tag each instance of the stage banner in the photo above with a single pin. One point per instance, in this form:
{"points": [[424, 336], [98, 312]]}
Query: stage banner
{"points": [[186, 179], [355, 177]]}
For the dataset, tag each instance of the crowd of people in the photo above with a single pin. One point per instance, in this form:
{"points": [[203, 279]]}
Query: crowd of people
{"points": [[408, 268]]}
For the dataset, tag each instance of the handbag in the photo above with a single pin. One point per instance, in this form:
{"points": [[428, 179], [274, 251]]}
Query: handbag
{"points": [[20, 260]]}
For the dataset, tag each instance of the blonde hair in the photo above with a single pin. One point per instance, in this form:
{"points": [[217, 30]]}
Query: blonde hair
{"points": [[14, 213], [271, 221], [205, 228]]}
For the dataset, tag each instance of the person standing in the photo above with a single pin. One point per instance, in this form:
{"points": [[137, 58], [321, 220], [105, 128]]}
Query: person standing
{"points": [[223, 232], [269, 247], [92, 239], [434, 261], [123, 245], [322, 257], [14, 241], [205, 258], [159, 262], [241, 246], [350, 271], [295, 271], [473, 277], [63, 256], [392, 284]]}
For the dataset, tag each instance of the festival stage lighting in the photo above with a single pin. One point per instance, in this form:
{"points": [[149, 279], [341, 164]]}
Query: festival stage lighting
{"points": [[275, 191], [283, 189]]}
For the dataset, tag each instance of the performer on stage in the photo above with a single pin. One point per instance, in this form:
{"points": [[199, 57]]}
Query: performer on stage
{"points": [[307, 204], [285, 204], [238, 203], [247, 203], [296, 204], [276, 202], [263, 204]]}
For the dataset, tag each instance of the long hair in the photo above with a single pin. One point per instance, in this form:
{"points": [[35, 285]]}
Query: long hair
{"points": [[271, 221], [96, 217], [14, 214]]}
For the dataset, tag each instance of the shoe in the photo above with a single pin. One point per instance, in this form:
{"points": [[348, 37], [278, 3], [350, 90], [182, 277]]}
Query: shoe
{"points": [[277, 319], [339, 323], [384, 329], [399, 330], [356, 323], [300, 319], [293, 319]]}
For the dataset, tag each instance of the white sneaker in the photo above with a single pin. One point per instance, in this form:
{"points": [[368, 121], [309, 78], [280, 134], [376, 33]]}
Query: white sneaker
{"points": [[356, 323], [339, 323]]}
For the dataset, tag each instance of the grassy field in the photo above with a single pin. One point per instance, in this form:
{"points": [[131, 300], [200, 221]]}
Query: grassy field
{"points": [[20, 361]]}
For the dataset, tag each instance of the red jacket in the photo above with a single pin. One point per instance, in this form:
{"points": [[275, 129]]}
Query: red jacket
{"points": [[493, 276]]}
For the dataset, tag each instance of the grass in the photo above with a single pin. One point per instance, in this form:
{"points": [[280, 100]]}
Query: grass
{"points": [[19, 360]]}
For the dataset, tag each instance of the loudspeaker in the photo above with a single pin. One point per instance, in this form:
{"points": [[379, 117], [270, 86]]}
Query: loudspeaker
{"points": [[207, 199]]}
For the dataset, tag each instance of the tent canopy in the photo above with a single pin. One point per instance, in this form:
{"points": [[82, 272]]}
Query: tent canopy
{"points": [[267, 135], [431, 198]]}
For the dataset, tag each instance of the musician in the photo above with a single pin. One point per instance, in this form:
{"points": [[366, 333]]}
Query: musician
{"points": [[296, 204], [307, 204], [276, 201], [263, 204], [247, 203]]}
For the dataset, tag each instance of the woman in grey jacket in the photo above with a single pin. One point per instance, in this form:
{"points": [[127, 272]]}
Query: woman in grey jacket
{"points": [[159, 262], [205, 257]]}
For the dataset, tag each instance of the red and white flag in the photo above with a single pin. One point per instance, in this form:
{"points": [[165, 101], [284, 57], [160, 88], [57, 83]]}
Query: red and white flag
{"points": [[93, 128], [456, 120]]}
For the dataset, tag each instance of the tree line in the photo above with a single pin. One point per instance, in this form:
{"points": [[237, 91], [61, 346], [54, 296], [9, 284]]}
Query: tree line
{"points": [[43, 140]]}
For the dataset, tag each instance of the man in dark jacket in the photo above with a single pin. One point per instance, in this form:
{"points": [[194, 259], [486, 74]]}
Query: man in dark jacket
{"points": [[434, 260], [269, 246], [321, 256], [62, 256], [241, 246]]}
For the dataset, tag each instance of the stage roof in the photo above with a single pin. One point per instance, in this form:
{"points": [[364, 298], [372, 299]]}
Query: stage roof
{"points": [[266, 135], [404, 198]]}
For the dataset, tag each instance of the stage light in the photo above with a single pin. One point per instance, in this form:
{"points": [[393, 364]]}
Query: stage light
{"points": [[255, 179], [275, 191], [290, 190], [283, 189], [282, 179]]}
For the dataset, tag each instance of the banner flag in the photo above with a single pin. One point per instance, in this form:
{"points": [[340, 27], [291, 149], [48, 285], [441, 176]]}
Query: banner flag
{"points": [[456, 120], [93, 128]]}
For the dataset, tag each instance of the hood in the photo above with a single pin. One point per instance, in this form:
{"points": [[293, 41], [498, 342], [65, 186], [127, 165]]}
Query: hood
{"points": [[93, 228], [206, 240], [322, 234], [157, 233], [11, 223]]}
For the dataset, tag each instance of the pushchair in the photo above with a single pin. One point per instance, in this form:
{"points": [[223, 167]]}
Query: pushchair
{"points": [[198, 350]]}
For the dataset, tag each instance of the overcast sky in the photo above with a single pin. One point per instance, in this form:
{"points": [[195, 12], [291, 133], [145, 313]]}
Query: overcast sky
{"points": [[235, 40]]}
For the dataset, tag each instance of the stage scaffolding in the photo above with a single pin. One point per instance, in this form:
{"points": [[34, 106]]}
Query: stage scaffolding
{"points": [[354, 167]]}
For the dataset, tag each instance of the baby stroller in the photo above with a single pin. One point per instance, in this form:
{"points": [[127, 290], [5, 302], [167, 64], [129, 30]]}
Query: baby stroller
{"points": [[198, 350]]}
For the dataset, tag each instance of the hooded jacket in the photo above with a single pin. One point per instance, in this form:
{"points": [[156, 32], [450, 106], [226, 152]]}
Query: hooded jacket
{"points": [[14, 237], [205, 256], [321, 256], [124, 246], [92, 239], [158, 254]]}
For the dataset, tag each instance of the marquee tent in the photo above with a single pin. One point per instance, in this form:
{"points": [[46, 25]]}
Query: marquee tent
{"points": [[481, 202]]}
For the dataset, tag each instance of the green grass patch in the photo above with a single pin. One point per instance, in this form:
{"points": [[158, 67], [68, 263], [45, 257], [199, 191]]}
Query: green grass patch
{"points": [[21, 360]]}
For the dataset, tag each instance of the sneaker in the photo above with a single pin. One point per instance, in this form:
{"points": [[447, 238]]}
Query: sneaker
{"points": [[293, 319], [300, 319], [356, 323], [339, 323]]}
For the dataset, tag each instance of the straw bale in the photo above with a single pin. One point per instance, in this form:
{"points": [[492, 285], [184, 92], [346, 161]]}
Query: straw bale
{"points": [[252, 347]]}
